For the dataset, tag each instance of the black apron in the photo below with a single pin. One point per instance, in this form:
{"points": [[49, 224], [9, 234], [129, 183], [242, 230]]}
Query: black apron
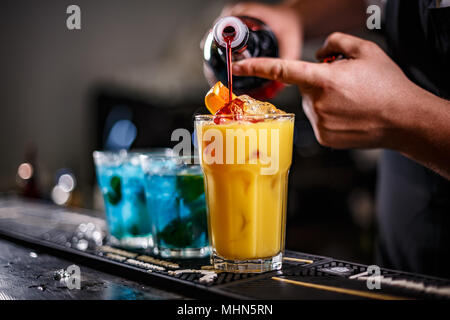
{"points": [[413, 202]]}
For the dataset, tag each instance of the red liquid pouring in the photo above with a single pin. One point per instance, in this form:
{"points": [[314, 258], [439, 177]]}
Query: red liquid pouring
{"points": [[233, 107], [228, 35]]}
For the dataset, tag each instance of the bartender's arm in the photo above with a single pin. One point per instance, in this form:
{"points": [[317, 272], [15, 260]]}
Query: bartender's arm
{"points": [[364, 101]]}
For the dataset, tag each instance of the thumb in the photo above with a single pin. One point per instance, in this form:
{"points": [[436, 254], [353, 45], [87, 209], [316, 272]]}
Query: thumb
{"points": [[288, 71], [340, 43]]}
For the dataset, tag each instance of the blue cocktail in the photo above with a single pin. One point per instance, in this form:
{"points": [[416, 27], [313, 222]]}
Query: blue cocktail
{"points": [[120, 178], [176, 202]]}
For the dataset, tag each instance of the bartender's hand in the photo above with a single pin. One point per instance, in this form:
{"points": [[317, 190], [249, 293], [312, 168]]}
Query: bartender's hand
{"points": [[282, 20], [364, 101], [351, 103]]}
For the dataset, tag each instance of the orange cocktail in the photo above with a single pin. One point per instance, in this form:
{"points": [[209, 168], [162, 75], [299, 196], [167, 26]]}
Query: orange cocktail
{"points": [[246, 161]]}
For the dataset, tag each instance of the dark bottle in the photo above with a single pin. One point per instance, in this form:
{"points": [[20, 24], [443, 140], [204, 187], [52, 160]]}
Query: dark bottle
{"points": [[252, 38]]}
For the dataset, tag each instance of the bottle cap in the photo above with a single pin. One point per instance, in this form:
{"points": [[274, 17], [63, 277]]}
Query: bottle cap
{"points": [[239, 27]]}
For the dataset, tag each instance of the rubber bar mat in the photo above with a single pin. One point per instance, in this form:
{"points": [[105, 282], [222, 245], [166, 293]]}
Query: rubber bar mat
{"points": [[79, 236]]}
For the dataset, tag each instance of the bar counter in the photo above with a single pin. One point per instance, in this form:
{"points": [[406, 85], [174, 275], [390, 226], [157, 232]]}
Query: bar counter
{"points": [[39, 243]]}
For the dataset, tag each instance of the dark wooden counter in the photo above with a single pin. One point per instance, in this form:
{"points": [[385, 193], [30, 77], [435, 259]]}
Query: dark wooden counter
{"points": [[26, 273]]}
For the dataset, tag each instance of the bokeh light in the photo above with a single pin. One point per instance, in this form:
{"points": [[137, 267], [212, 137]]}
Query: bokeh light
{"points": [[59, 195], [122, 135], [25, 171], [67, 182]]}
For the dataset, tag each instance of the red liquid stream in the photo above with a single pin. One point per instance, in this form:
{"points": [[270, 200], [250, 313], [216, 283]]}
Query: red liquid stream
{"points": [[229, 71], [233, 107], [228, 34]]}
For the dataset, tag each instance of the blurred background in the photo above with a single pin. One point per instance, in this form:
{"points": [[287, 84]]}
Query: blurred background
{"points": [[128, 78]]}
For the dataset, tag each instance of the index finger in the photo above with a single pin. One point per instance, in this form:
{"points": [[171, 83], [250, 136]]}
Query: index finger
{"points": [[288, 71]]}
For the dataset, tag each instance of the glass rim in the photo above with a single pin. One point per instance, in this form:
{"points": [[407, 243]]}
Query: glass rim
{"points": [[170, 156], [123, 156], [97, 154], [269, 116], [123, 152]]}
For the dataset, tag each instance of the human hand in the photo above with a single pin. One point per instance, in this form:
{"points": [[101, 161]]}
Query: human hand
{"points": [[282, 20], [358, 102]]}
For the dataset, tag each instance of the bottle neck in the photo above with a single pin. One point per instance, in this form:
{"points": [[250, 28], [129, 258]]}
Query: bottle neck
{"points": [[233, 31]]}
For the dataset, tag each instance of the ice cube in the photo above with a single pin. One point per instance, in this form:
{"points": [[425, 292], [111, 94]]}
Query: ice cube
{"points": [[231, 111], [256, 107]]}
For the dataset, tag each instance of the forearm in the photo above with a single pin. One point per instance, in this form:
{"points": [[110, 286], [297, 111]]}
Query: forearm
{"points": [[425, 132], [321, 17]]}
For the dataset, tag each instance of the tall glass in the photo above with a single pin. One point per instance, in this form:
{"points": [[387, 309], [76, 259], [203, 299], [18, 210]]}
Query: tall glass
{"points": [[246, 165], [120, 178], [176, 202]]}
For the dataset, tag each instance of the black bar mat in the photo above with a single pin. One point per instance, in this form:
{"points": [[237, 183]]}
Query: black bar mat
{"points": [[79, 236]]}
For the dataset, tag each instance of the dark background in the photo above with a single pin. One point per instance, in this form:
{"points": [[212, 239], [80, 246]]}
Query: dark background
{"points": [[61, 91]]}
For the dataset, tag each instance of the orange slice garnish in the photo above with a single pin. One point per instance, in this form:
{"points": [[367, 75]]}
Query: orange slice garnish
{"points": [[217, 97]]}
